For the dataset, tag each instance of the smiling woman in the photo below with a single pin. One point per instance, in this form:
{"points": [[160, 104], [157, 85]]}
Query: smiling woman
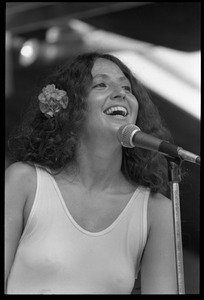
{"points": [[52, 142], [84, 214], [116, 86]]}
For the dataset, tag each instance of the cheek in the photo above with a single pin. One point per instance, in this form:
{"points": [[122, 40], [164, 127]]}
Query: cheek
{"points": [[93, 113], [135, 108], [95, 104]]}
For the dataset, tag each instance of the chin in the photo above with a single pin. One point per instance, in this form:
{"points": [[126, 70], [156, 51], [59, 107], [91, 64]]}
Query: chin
{"points": [[114, 125]]}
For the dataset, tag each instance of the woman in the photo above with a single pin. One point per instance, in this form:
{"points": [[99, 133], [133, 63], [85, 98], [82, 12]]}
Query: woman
{"points": [[83, 214]]}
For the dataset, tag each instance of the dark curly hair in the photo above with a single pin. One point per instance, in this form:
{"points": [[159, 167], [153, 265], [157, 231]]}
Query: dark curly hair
{"points": [[52, 142]]}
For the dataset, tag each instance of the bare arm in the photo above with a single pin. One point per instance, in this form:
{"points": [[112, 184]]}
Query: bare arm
{"points": [[17, 184], [158, 270]]}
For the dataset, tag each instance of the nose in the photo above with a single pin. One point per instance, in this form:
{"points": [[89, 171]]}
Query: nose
{"points": [[118, 93]]}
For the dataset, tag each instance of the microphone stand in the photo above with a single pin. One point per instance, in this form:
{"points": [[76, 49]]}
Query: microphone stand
{"points": [[174, 179]]}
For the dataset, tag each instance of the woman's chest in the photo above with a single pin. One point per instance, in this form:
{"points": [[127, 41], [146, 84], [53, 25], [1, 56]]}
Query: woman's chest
{"points": [[93, 211]]}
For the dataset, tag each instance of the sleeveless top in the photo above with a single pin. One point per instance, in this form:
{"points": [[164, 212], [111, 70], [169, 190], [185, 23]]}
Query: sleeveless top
{"points": [[56, 255]]}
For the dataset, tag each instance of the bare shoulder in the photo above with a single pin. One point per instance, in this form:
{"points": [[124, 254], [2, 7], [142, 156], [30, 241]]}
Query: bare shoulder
{"points": [[19, 170], [20, 177], [159, 201], [159, 208]]}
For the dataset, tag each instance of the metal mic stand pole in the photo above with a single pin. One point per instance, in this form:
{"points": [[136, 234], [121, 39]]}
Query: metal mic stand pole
{"points": [[174, 179]]}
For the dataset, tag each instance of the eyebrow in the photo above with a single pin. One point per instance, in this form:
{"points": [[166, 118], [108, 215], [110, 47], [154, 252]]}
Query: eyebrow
{"points": [[105, 76]]}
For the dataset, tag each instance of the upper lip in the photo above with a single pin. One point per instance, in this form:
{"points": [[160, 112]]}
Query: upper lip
{"points": [[117, 106]]}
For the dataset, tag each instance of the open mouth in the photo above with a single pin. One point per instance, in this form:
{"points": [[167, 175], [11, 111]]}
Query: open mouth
{"points": [[117, 111]]}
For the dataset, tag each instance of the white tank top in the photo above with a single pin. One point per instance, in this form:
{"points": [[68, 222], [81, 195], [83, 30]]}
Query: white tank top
{"points": [[57, 256]]}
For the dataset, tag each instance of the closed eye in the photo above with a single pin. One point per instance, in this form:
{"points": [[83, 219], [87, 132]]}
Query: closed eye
{"points": [[101, 84], [127, 88]]}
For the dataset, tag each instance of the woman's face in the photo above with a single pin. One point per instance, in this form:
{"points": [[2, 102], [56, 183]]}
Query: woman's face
{"points": [[110, 100]]}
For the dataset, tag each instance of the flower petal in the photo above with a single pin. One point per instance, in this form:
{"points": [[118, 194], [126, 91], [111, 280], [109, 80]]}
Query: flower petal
{"points": [[64, 102], [44, 107], [50, 88], [42, 98], [49, 114]]}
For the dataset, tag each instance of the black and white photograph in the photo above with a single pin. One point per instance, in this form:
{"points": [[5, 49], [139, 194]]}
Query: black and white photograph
{"points": [[102, 148]]}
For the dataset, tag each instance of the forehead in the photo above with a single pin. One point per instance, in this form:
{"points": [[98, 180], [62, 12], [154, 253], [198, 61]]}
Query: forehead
{"points": [[106, 67]]}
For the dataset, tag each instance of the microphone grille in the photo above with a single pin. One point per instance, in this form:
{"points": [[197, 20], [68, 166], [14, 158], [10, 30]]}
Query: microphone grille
{"points": [[125, 135]]}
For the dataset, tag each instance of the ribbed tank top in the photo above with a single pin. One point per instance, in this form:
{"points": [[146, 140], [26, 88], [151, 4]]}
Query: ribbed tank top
{"points": [[56, 255]]}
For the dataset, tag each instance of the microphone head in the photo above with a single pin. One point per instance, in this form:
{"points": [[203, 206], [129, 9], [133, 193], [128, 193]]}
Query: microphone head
{"points": [[126, 133]]}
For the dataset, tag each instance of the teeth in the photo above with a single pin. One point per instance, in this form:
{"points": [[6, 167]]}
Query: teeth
{"points": [[116, 108]]}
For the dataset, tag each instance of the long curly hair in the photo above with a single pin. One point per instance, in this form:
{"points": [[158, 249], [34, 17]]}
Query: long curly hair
{"points": [[52, 142]]}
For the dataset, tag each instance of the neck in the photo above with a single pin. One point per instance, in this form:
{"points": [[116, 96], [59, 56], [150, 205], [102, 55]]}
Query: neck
{"points": [[99, 165]]}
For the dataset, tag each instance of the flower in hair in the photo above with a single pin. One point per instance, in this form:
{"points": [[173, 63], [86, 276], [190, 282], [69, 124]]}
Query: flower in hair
{"points": [[52, 100]]}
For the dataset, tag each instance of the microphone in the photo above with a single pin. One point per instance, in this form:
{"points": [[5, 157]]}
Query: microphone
{"points": [[130, 136]]}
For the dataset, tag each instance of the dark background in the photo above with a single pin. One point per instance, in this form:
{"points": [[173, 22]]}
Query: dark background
{"points": [[175, 25]]}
